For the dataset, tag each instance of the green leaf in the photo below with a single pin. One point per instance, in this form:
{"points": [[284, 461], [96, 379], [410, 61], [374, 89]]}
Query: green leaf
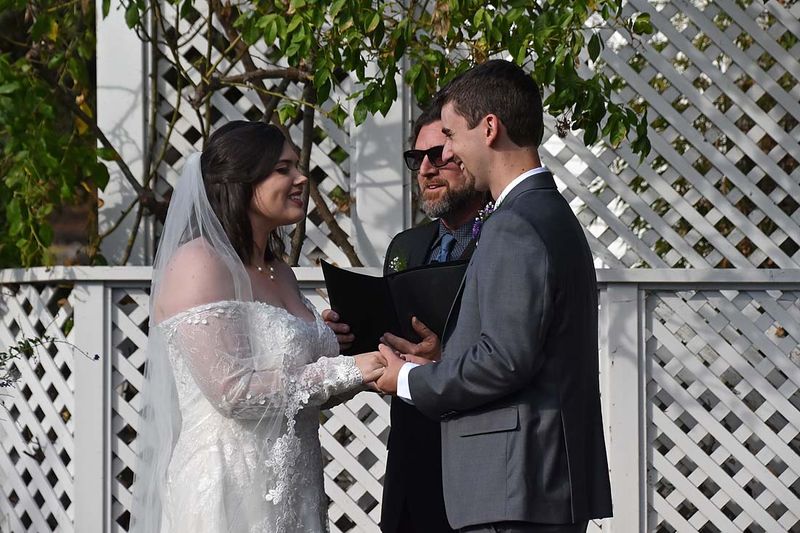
{"points": [[46, 234], [292, 49], [642, 24], [106, 154], [590, 135], [100, 176], [132, 15], [522, 53], [295, 22], [271, 32], [373, 22], [65, 191], [336, 7], [14, 216], [286, 111], [186, 8], [338, 115], [594, 47], [360, 112], [618, 132], [324, 90], [8, 88], [478, 17], [106, 7]]}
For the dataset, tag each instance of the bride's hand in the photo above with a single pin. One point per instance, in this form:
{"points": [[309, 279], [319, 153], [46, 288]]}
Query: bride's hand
{"points": [[371, 365]]}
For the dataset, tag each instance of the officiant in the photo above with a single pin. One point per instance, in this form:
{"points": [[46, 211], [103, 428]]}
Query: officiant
{"points": [[412, 487]]}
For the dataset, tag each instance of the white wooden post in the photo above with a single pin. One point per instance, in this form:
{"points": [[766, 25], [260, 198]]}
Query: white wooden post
{"points": [[92, 415], [122, 100], [381, 207], [623, 370]]}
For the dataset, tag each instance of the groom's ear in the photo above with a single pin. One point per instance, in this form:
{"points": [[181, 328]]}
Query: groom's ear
{"points": [[491, 129]]}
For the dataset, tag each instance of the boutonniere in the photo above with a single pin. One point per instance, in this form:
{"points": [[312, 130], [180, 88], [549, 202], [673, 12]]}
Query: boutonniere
{"points": [[398, 263], [482, 216]]}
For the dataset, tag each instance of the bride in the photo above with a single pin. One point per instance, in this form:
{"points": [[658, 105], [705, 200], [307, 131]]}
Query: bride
{"points": [[239, 362]]}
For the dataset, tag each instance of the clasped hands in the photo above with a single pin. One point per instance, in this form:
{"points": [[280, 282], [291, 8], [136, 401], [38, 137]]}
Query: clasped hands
{"points": [[380, 368]]}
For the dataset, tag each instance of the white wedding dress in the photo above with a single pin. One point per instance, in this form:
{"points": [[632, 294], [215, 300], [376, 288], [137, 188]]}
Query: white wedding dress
{"points": [[250, 379]]}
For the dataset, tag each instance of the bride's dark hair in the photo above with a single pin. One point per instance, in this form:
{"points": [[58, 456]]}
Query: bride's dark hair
{"points": [[236, 158]]}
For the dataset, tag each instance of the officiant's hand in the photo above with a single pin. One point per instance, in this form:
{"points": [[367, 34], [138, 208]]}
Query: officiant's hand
{"points": [[341, 329], [428, 348]]}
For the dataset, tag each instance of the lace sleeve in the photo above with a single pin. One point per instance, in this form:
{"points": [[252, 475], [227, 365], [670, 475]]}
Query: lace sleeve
{"points": [[214, 344]]}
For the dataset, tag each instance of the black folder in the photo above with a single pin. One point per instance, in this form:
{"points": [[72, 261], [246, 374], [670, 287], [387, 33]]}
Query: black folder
{"points": [[374, 305]]}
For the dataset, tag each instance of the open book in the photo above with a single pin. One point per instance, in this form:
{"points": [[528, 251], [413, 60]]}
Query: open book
{"points": [[374, 305]]}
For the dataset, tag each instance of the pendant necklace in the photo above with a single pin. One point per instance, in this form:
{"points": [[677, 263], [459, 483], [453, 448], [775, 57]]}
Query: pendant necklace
{"points": [[269, 271]]}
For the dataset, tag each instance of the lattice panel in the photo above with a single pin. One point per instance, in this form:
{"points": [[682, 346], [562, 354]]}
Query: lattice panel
{"points": [[36, 426], [179, 124], [721, 186], [353, 437], [723, 411], [129, 315]]}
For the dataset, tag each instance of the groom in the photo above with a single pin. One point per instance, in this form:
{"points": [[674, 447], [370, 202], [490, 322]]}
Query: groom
{"points": [[516, 389]]}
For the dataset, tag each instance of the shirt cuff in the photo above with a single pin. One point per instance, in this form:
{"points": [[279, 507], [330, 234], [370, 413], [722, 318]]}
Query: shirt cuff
{"points": [[403, 390]]}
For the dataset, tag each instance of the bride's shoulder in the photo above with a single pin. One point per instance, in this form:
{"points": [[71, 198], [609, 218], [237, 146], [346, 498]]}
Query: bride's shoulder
{"points": [[196, 254], [193, 277]]}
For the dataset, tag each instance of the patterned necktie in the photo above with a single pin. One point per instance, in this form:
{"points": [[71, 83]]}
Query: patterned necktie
{"points": [[445, 248]]}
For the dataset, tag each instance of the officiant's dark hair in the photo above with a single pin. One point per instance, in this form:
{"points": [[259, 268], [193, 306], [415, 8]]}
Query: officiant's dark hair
{"points": [[500, 88], [237, 157], [429, 115]]}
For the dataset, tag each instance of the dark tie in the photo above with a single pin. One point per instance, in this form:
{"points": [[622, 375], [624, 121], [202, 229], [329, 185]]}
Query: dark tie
{"points": [[445, 248]]}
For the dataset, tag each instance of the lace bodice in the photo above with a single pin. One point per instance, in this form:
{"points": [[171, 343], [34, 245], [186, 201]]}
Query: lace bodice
{"points": [[250, 378]]}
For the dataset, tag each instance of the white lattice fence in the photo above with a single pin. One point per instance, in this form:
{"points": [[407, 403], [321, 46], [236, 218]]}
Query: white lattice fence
{"points": [[700, 377], [36, 426], [724, 425], [720, 188]]}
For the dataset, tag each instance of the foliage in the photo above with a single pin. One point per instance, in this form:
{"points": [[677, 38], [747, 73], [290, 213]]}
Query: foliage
{"points": [[371, 39], [295, 54], [47, 157]]}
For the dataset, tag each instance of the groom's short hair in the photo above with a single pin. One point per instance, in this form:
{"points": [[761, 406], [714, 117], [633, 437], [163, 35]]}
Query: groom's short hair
{"points": [[500, 88]]}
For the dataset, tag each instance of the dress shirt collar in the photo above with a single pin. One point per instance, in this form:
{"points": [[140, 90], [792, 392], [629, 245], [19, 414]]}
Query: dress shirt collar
{"points": [[462, 234], [519, 179]]}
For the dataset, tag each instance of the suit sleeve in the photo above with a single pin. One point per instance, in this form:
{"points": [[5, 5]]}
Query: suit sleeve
{"points": [[514, 296]]}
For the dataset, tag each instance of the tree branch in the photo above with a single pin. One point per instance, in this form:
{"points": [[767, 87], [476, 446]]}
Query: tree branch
{"points": [[291, 74], [299, 236], [337, 235]]}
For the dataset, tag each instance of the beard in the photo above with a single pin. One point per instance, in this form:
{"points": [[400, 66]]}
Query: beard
{"points": [[451, 201]]}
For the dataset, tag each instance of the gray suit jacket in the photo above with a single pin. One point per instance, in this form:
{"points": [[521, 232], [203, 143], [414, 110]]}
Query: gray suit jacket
{"points": [[517, 387]]}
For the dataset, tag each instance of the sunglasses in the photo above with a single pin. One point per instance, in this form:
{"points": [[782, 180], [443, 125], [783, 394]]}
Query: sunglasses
{"points": [[414, 158]]}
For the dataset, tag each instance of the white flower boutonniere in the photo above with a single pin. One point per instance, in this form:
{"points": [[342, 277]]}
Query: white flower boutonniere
{"points": [[398, 263]]}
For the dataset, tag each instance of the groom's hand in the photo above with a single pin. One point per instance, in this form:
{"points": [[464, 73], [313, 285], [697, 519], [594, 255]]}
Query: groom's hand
{"points": [[387, 383], [428, 348], [342, 330]]}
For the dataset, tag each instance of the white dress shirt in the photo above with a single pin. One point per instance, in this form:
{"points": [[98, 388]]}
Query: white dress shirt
{"points": [[403, 389]]}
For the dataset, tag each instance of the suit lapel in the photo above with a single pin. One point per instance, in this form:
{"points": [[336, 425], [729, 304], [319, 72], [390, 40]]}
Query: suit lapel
{"points": [[453, 310], [542, 180]]}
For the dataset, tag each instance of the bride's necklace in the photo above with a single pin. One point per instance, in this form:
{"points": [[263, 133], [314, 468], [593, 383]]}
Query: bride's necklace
{"points": [[269, 270]]}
